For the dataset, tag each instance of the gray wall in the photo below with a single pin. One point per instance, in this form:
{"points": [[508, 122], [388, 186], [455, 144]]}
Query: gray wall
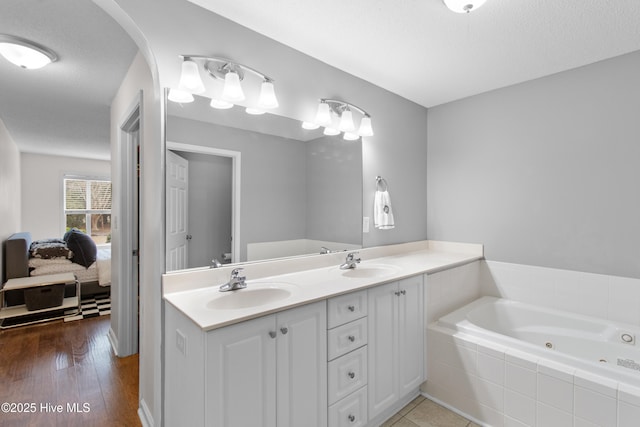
{"points": [[545, 172], [10, 196], [273, 178], [210, 184], [334, 190]]}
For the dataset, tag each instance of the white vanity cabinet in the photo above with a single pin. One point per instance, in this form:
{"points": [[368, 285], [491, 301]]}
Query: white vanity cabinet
{"points": [[270, 371], [266, 372], [395, 349]]}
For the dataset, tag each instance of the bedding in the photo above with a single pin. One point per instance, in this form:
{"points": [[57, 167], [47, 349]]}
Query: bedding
{"points": [[18, 262]]}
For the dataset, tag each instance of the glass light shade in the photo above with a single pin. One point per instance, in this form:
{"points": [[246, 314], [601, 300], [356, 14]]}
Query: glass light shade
{"points": [[365, 127], [323, 116], [331, 131], [23, 54], [180, 96], [190, 80], [254, 111], [346, 121], [309, 126], [232, 90], [267, 96], [463, 6], [220, 105], [350, 136]]}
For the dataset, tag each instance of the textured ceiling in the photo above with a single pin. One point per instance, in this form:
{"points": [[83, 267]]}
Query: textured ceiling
{"points": [[63, 108], [422, 51]]}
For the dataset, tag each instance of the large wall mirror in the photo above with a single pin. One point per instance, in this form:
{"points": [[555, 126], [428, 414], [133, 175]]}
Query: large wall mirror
{"points": [[244, 188]]}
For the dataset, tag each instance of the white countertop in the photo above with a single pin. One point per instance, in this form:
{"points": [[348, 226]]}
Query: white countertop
{"points": [[307, 279]]}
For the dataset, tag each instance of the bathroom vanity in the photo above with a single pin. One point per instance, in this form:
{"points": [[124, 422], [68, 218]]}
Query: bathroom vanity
{"points": [[305, 343]]}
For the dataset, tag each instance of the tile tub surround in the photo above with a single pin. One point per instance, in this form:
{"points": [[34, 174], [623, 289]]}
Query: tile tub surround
{"points": [[313, 278], [501, 386]]}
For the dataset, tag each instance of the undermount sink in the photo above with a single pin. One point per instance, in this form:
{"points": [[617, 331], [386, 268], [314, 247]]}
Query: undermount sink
{"points": [[253, 295], [371, 271]]}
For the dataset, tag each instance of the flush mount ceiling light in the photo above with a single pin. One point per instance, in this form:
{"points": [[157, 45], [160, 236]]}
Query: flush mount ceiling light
{"points": [[232, 73], [25, 53], [330, 108], [463, 6]]}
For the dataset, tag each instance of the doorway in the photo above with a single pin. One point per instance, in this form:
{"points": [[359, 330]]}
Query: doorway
{"points": [[203, 211], [125, 319]]}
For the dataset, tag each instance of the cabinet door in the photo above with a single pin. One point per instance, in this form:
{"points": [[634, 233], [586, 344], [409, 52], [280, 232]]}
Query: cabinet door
{"points": [[302, 366], [410, 334], [383, 343], [241, 375]]}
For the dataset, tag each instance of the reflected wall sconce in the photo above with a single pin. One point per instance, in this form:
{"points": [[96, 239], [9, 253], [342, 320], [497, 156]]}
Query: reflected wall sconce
{"points": [[25, 53], [232, 73], [463, 6], [337, 117]]}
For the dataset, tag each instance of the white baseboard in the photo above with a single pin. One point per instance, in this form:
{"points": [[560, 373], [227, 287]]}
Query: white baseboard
{"points": [[113, 340], [454, 409], [145, 415]]}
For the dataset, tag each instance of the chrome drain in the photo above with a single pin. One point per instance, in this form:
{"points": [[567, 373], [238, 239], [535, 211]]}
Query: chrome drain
{"points": [[548, 344]]}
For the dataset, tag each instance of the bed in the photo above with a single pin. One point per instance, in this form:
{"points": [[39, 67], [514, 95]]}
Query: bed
{"points": [[95, 278]]}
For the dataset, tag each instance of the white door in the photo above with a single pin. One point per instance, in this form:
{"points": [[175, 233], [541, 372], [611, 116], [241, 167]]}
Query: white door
{"points": [[177, 219], [410, 334], [383, 347], [302, 366], [241, 375]]}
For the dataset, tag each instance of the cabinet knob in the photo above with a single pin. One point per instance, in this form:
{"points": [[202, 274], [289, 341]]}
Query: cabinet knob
{"points": [[284, 330], [352, 308], [272, 334], [403, 292], [352, 418], [352, 375], [397, 293], [351, 338]]}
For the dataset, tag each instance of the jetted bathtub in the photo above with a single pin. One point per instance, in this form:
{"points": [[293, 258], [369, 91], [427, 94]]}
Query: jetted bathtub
{"points": [[591, 344]]}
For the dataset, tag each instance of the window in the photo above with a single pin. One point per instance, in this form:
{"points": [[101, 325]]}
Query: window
{"points": [[87, 207]]}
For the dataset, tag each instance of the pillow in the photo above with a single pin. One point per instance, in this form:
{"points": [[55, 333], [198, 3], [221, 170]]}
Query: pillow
{"points": [[50, 249], [83, 247]]}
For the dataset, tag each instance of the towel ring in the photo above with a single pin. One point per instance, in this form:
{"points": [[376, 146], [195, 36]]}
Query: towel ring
{"points": [[381, 181]]}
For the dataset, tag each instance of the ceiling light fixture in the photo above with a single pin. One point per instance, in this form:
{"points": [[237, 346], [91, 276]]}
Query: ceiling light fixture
{"points": [[463, 6], [329, 108], [232, 73], [25, 53]]}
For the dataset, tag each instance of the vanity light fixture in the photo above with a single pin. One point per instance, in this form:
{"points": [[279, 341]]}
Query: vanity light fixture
{"points": [[232, 73], [328, 108], [463, 6], [25, 53]]}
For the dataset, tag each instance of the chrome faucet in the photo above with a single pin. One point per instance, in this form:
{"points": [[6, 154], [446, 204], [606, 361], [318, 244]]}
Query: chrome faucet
{"points": [[215, 263], [350, 262], [325, 250], [235, 282]]}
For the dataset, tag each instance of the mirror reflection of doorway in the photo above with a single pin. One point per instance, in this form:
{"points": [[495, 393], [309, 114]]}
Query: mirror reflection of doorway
{"points": [[199, 209]]}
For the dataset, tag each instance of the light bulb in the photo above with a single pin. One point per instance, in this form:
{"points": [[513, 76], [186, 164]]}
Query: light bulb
{"points": [[365, 127], [180, 96], [232, 90], [309, 126], [463, 6], [346, 121], [190, 80], [331, 131], [323, 116], [220, 105], [267, 95]]}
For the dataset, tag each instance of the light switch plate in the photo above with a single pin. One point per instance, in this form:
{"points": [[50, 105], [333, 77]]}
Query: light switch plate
{"points": [[365, 224]]}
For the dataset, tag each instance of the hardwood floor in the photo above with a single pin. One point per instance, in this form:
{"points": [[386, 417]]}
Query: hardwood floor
{"points": [[69, 367]]}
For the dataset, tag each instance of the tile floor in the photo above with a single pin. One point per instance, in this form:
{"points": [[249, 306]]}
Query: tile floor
{"points": [[421, 412]]}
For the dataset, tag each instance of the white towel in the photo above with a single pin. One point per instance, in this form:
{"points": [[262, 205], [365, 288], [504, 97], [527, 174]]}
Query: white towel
{"points": [[382, 212]]}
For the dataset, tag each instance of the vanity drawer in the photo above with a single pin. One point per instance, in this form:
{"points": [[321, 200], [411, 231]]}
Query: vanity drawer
{"points": [[345, 308], [345, 338], [350, 411], [347, 374]]}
